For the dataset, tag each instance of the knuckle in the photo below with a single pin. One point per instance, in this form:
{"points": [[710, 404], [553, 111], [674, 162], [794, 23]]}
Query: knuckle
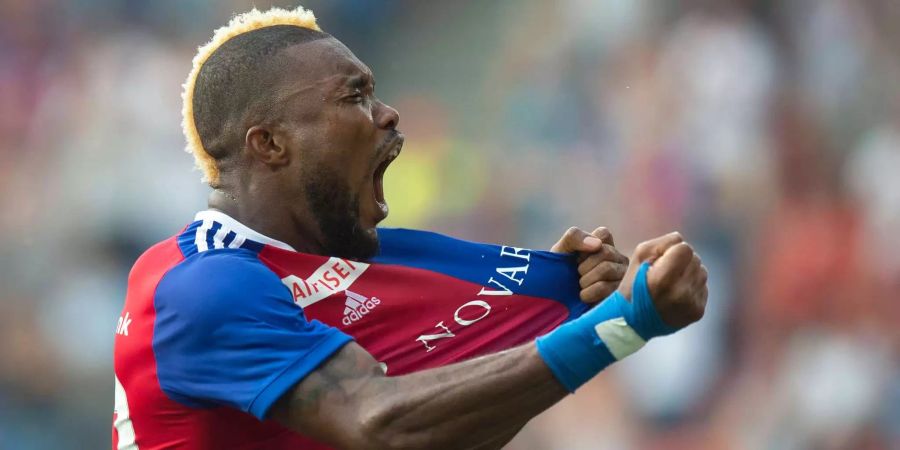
{"points": [[571, 232], [683, 253], [641, 250], [614, 253], [584, 266], [693, 306], [590, 294], [697, 313], [584, 296], [606, 269], [588, 264], [584, 282], [603, 253], [605, 288]]}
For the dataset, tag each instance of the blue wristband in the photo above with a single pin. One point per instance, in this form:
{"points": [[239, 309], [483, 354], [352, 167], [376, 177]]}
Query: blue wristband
{"points": [[616, 328], [642, 315]]}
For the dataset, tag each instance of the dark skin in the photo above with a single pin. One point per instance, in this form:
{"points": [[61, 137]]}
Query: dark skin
{"points": [[330, 121], [333, 132]]}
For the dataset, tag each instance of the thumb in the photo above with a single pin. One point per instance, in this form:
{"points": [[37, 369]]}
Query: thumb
{"points": [[604, 235], [577, 240], [648, 251], [671, 265]]}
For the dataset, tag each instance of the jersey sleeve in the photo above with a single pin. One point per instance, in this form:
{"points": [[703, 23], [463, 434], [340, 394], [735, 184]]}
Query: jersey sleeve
{"points": [[552, 276], [227, 332]]}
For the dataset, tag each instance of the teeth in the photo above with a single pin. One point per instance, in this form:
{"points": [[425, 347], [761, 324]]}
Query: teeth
{"points": [[392, 155]]}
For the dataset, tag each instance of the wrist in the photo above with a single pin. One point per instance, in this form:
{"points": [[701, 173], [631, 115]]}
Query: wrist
{"points": [[616, 328], [641, 314]]}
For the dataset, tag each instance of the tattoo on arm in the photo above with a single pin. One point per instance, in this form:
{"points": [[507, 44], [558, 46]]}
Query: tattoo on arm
{"points": [[348, 402], [334, 381]]}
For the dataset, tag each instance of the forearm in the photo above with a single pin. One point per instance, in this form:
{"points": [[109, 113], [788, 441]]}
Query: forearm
{"points": [[349, 403], [465, 405], [480, 398]]}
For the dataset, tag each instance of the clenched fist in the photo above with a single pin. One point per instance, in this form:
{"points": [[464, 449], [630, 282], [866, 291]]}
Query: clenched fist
{"points": [[600, 265], [676, 279]]}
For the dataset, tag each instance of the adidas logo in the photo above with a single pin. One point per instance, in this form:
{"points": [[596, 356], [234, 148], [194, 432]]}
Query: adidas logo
{"points": [[356, 306]]}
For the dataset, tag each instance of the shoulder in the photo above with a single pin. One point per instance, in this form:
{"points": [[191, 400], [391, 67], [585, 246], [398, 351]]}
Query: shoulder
{"points": [[219, 280], [223, 267]]}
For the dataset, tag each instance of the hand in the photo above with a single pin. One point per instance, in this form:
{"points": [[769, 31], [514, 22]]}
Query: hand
{"points": [[600, 264], [676, 279]]}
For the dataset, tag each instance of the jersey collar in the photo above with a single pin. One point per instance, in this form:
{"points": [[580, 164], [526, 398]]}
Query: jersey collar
{"points": [[239, 228]]}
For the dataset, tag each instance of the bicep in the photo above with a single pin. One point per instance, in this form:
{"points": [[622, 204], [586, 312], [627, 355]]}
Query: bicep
{"points": [[328, 404]]}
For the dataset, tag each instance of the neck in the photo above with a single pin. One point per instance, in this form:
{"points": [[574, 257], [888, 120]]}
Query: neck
{"points": [[269, 218]]}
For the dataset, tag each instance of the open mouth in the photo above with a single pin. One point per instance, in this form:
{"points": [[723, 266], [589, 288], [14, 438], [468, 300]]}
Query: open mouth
{"points": [[393, 151]]}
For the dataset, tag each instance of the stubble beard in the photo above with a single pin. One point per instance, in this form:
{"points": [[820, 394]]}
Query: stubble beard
{"points": [[337, 214]]}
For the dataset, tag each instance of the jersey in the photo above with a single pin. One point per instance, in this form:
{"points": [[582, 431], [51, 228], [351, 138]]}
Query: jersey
{"points": [[220, 321]]}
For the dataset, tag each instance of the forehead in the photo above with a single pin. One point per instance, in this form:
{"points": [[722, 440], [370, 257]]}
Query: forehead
{"points": [[325, 63]]}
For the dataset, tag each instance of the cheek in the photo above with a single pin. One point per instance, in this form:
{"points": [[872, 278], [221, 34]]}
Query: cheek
{"points": [[350, 124], [351, 142]]}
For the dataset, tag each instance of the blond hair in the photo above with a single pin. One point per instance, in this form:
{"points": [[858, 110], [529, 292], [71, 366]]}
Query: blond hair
{"points": [[239, 24]]}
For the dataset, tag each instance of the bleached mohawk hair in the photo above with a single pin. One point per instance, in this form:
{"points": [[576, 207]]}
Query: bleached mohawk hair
{"points": [[239, 24]]}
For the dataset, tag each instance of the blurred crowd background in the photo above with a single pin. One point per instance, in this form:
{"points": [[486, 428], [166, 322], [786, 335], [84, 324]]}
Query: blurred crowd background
{"points": [[768, 132]]}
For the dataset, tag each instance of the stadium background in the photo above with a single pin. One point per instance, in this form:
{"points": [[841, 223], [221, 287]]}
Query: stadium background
{"points": [[767, 132]]}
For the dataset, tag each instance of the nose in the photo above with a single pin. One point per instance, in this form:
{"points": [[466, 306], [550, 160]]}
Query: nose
{"points": [[386, 117]]}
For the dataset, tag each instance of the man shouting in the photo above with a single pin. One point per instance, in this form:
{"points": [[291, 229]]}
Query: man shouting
{"points": [[281, 318]]}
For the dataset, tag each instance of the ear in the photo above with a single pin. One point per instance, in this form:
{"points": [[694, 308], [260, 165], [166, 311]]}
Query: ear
{"points": [[263, 145]]}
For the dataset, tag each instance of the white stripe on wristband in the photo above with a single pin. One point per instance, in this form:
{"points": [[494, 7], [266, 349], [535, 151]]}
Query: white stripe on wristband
{"points": [[621, 340]]}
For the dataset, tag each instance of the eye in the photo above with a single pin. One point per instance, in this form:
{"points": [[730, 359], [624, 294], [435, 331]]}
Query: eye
{"points": [[355, 97]]}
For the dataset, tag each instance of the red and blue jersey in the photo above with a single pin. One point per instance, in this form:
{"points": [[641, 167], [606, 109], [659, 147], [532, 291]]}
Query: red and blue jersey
{"points": [[220, 321]]}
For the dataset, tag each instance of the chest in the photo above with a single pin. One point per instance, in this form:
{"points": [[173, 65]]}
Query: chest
{"points": [[412, 319]]}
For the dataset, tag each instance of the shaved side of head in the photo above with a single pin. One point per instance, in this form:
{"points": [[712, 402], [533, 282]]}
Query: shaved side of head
{"points": [[235, 87], [232, 78]]}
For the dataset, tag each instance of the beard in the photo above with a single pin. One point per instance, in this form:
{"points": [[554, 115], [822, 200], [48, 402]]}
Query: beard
{"points": [[337, 213]]}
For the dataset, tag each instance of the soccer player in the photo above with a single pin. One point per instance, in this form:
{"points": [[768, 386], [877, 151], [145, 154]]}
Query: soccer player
{"points": [[274, 319]]}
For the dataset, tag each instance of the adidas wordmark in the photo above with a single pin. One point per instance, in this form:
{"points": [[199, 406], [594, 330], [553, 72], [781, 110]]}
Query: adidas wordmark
{"points": [[356, 306]]}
